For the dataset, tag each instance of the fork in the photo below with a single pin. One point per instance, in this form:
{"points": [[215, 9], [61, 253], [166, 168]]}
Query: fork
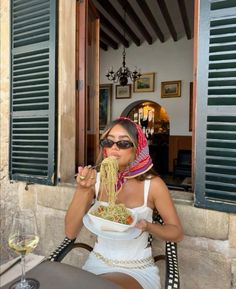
{"points": [[90, 167]]}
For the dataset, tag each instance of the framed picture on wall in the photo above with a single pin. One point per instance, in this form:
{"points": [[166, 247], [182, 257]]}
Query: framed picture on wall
{"points": [[105, 102], [123, 91], [171, 88], [145, 83]]}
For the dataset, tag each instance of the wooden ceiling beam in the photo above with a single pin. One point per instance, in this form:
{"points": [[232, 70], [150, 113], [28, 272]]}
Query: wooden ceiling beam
{"points": [[147, 12], [106, 5], [184, 16], [106, 23], [103, 45], [105, 37], [135, 18], [166, 15]]}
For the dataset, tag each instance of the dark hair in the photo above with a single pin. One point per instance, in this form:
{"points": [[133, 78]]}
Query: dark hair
{"points": [[128, 125], [147, 175], [131, 129]]}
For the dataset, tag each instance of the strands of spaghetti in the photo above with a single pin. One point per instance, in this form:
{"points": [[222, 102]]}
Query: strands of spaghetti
{"points": [[113, 212], [108, 177]]}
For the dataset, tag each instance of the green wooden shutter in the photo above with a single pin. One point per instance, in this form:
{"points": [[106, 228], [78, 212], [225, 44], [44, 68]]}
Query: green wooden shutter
{"points": [[33, 91], [215, 185]]}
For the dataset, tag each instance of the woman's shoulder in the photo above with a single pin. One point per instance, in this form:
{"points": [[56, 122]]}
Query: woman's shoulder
{"points": [[157, 190], [156, 179], [157, 185]]}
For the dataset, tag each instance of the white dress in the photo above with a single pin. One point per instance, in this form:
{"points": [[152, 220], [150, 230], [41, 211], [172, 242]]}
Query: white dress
{"points": [[132, 257]]}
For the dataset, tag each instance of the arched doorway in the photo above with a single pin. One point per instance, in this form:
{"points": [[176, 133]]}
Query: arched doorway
{"points": [[154, 121]]}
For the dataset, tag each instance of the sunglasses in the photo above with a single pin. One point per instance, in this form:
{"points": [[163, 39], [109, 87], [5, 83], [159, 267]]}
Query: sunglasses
{"points": [[121, 144]]}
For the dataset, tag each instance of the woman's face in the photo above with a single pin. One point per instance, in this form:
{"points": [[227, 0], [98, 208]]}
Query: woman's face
{"points": [[124, 156]]}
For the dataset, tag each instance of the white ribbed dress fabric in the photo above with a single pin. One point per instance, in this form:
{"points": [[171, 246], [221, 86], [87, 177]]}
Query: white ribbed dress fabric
{"points": [[127, 250]]}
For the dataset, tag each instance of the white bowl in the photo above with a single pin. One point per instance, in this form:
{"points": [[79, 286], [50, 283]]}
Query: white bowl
{"points": [[107, 225]]}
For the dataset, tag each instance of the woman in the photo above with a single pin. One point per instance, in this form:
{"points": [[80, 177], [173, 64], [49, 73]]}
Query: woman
{"points": [[139, 189]]}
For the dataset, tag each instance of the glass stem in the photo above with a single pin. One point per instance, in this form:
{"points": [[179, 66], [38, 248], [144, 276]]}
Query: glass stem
{"points": [[23, 281]]}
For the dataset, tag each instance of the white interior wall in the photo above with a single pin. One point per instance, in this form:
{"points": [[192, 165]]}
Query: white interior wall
{"points": [[170, 61]]}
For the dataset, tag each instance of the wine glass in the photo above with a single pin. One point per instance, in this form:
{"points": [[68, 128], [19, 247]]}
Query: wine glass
{"points": [[24, 239]]}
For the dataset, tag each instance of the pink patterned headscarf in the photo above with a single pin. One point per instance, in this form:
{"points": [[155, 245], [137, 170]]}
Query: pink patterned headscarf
{"points": [[142, 162]]}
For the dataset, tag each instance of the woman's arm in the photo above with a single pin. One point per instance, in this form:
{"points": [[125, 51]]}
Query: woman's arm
{"points": [[81, 201], [159, 197]]}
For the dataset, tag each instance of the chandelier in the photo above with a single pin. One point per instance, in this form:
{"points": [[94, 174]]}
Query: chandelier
{"points": [[123, 74]]}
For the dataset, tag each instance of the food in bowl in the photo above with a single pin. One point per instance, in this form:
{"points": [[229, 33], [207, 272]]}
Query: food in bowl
{"points": [[112, 218]]}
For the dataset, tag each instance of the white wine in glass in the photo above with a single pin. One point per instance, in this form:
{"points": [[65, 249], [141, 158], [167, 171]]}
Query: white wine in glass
{"points": [[24, 239]]}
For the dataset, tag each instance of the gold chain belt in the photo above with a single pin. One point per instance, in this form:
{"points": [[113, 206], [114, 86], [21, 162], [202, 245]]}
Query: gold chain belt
{"points": [[132, 264]]}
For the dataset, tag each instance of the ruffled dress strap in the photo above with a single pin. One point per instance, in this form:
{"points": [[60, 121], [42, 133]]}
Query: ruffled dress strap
{"points": [[146, 191]]}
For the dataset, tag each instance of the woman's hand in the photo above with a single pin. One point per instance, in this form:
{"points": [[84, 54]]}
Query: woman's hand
{"points": [[86, 177], [142, 225]]}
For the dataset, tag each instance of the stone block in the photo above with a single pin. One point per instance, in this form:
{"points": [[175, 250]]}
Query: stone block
{"points": [[27, 198], [51, 227], [203, 263], [58, 197], [203, 222], [52, 233], [217, 225], [203, 269]]}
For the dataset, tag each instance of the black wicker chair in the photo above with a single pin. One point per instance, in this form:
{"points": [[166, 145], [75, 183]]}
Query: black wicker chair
{"points": [[172, 272]]}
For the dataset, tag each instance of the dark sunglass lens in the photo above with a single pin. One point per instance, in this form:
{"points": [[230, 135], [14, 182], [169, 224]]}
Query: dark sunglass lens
{"points": [[124, 144], [106, 143]]}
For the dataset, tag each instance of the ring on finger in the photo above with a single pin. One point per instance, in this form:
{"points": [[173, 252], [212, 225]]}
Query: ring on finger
{"points": [[81, 177]]}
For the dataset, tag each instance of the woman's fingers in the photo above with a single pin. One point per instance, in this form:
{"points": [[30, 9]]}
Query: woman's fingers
{"points": [[142, 225], [86, 176], [86, 173]]}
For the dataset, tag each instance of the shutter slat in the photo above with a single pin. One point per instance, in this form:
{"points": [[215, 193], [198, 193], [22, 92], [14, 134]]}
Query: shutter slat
{"points": [[217, 169], [30, 77], [24, 10], [25, 3], [215, 195], [215, 5], [33, 27], [38, 60], [30, 94], [221, 178], [38, 100], [34, 87], [34, 14]]}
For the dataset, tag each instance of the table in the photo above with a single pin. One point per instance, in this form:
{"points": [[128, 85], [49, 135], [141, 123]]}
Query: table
{"points": [[54, 275]]}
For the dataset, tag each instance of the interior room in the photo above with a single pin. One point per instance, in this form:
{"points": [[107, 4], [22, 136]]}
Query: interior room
{"points": [[167, 61]]}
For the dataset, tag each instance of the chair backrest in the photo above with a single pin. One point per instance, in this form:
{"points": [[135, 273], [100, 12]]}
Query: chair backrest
{"points": [[184, 157]]}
